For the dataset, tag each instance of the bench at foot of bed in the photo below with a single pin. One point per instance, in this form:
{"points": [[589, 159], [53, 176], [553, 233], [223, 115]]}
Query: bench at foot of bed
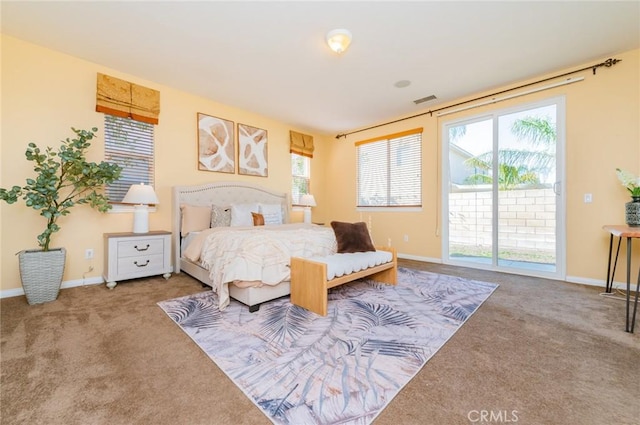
{"points": [[311, 278]]}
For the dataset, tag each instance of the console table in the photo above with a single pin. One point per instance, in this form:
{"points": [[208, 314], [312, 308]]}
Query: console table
{"points": [[623, 231]]}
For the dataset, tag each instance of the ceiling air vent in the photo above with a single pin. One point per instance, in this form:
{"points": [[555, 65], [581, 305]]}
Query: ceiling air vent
{"points": [[424, 99]]}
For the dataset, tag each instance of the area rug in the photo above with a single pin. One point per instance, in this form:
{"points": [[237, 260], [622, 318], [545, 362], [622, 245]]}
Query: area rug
{"points": [[301, 368]]}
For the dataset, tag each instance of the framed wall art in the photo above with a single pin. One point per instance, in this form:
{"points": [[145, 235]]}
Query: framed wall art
{"points": [[216, 144], [252, 151]]}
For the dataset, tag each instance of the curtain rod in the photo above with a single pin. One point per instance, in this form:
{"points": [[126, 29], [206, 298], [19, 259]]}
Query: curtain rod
{"points": [[512, 96], [608, 63]]}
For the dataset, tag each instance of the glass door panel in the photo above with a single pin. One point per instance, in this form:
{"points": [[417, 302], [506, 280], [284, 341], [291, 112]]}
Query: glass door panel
{"points": [[526, 198], [470, 202]]}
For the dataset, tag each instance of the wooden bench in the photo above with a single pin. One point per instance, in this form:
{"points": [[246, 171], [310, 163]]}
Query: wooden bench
{"points": [[310, 287]]}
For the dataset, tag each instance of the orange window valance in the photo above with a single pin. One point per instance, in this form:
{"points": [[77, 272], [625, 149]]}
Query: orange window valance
{"points": [[301, 144], [128, 100]]}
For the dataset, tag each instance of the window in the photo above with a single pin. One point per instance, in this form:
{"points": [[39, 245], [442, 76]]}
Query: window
{"points": [[128, 143], [390, 170], [301, 172]]}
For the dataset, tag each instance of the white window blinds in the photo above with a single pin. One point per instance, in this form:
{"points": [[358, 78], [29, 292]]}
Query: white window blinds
{"points": [[390, 170], [129, 143], [300, 177]]}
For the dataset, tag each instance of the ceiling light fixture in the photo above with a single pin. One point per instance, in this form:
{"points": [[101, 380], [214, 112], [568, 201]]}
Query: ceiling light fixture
{"points": [[338, 40]]}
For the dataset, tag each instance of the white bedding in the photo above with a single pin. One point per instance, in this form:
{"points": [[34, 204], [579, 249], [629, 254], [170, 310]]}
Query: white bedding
{"points": [[261, 253]]}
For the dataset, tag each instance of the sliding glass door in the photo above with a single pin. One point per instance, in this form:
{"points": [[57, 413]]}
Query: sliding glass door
{"points": [[503, 202]]}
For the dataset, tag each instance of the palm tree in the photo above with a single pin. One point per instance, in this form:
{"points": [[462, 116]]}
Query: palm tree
{"points": [[457, 132], [520, 166]]}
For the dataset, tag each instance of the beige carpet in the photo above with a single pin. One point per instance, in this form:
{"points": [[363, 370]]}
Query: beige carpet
{"points": [[547, 352]]}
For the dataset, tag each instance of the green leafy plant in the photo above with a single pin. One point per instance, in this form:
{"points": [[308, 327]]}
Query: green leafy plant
{"points": [[63, 179], [629, 181]]}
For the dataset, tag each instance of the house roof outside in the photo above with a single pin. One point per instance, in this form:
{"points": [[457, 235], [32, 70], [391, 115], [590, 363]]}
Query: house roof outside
{"points": [[271, 57]]}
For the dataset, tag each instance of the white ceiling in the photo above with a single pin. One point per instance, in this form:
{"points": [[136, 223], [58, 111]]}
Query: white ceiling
{"points": [[271, 57]]}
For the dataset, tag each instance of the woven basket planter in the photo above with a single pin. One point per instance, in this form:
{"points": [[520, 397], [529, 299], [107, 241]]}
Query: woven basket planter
{"points": [[41, 274]]}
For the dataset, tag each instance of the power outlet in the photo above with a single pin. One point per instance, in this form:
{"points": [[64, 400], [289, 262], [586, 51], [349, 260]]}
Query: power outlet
{"points": [[88, 253], [406, 238]]}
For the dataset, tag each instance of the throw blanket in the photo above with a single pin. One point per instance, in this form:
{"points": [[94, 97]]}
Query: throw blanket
{"points": [[262, 253]]}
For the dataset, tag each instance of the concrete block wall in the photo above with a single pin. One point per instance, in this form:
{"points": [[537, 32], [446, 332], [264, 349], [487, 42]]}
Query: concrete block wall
{"points": [[526, 219]]}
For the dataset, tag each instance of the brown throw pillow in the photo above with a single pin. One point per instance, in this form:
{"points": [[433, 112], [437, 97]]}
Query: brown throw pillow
{"points": [[352, 237], [258, 219]]}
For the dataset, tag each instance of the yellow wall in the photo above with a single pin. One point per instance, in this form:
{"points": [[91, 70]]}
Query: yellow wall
{"points": [[45, 92], [602, 133]]}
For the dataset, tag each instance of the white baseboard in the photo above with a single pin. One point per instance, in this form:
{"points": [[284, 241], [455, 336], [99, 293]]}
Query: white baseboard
{"points": [[419, 258], [599, 283], [585, 281], [569, 279], [16, 292]]}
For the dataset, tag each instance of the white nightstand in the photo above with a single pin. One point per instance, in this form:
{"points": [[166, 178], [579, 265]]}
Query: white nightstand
{"points": [[131, 255]]}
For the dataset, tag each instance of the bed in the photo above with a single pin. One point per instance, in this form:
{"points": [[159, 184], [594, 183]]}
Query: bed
{"points": [[240, 261]]}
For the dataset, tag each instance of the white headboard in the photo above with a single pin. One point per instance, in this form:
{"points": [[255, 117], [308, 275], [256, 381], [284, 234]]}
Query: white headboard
{"points": [[221, 194]]}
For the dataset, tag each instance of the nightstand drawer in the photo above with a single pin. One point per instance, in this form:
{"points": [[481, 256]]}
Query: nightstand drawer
{"points": [[145, 264], [144, 247]]}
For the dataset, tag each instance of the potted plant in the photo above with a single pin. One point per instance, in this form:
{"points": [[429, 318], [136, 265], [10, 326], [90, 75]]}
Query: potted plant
{"points": [[64, 178], [632, 209]]}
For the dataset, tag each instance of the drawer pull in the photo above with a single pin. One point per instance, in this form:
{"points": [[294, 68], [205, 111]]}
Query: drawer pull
{"points": [[142, 249], [141, 265]]}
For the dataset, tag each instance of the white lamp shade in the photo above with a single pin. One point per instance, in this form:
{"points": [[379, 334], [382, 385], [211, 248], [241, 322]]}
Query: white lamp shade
{"points": [[308, 200], [140, 194]]}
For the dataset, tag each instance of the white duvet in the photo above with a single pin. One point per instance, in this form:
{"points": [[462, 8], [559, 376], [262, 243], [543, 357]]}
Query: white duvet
{"points": [[261, 254]]}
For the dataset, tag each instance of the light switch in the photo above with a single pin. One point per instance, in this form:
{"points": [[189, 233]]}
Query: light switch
{"points": [[588, 198]]}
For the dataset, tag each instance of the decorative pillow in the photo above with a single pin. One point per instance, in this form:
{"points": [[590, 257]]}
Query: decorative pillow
{"points": [[258, 219], [352, 237], [194, 218], [241, 214], [220, 216], [272, 213]]}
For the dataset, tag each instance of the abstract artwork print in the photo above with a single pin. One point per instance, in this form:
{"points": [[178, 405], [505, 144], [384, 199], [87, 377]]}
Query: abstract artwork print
{"points": [[216, 144], [252, 151]]}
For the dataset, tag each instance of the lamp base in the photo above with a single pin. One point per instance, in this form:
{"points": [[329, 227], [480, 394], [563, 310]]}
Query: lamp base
{"points": [[307, 215], [141, 219]]}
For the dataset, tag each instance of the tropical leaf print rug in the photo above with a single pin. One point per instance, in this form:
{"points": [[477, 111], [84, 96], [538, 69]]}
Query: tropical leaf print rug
{"points": [[301, 368]]}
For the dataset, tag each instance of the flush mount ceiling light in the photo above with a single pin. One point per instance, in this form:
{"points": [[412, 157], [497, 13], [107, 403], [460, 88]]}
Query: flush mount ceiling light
{"points": [[338, 40]]}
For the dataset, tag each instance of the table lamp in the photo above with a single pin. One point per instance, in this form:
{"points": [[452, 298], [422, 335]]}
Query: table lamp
{"points": [[307, 201], [141, 196]]}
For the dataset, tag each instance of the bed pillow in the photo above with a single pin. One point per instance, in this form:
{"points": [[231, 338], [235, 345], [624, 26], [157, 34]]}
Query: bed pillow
{"points": [[241, 214], [258, 219], [352, 237], [194, 218], [220, 216], [272, 213]]}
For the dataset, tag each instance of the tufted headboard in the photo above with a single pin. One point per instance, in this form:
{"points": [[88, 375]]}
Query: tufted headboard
{"points": [[221, 194]]}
